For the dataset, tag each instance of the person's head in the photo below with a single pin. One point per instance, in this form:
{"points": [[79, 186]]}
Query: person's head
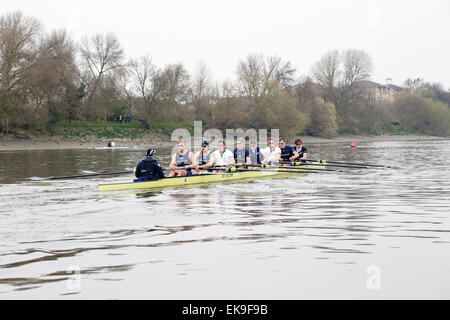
{"points": [[253, 146], [151, 153], [221, 145], [271, 143], [205, 145], [282, 143], [180, 145], [298, 142], [240, 144]]}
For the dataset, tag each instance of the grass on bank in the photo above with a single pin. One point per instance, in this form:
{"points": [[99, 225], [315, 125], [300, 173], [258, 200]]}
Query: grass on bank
{"points": [[91, 124], [115, 130]]}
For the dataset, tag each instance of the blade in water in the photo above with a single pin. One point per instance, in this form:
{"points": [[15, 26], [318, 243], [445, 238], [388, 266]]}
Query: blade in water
{"points": [[37, 178], [88, 171]]}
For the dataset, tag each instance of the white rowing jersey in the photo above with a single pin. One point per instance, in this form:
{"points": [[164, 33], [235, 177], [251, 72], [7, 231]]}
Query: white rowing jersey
{"points": [[272, 155], [223, 158]]}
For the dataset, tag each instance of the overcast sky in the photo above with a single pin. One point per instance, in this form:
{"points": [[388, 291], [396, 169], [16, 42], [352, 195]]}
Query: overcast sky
{"points": [[404, 38]]}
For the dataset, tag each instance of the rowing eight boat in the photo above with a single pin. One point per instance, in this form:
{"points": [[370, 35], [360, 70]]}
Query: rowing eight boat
{"points": [[205, 178]]}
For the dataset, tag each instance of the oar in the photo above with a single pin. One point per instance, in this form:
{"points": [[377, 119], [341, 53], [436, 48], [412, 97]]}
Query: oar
{"points": [[267, 166], [274, 169], [104, 173], [299, 164], [89, 174], [352, 163], [294, 168]]}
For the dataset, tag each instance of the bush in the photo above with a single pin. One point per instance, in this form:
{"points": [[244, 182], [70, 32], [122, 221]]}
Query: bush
{"points": [[278, 111], [323, 119], [420, 114]]}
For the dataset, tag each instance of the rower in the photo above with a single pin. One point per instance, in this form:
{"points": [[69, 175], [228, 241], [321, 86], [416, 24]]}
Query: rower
{"points": [[203, 157], [149, 169], [241, 155], [255, 154], [182, 159], [300, 152], [272, 154], [222, 157], [287, 152]]}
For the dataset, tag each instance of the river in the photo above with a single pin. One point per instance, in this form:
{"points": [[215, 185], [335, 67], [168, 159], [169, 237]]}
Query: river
{"points": [[353, 234]]}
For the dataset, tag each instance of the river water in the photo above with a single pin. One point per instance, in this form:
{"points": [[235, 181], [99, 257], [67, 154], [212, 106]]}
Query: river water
{"points": [[364, 234]]}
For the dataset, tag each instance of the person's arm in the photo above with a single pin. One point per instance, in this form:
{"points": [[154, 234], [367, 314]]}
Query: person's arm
{"points": [[212, 160], [247, 157], [159, 172], [305, 154], [279, 156], [173, 162], [291, 153], [196, 158], [295, 156], [138, 172], [265, 157], [230, 159], [191, 159]]}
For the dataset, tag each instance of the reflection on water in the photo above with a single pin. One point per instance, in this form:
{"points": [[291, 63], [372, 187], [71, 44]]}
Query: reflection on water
{"points": [[305, 237]]}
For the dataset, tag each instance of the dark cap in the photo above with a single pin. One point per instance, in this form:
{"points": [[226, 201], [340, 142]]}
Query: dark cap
{"points": [[150, 152], [205, 144]]}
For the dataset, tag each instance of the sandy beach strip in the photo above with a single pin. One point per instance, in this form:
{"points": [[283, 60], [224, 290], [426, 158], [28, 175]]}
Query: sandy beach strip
{"points": [[43, 144]]}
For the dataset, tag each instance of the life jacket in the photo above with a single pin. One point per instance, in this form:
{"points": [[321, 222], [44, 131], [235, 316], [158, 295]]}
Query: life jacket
{"points": [[149, 169]]}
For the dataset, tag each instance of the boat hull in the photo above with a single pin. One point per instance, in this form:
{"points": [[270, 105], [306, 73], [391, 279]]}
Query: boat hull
{"points": [[203, 179]]}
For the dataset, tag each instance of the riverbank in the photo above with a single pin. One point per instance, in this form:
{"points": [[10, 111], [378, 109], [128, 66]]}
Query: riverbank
{"points": [[156, 140]]}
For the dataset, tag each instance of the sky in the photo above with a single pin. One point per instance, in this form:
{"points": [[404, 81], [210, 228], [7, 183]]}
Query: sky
{"points": [[406, 39]]}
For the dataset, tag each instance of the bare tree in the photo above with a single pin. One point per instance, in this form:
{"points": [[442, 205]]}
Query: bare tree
{"points": [[202, 94], [277, 74], [18, 41], [101, 55], [144, 74], [413, 84], [250, 73], [52, 71], [326, 71], [228, 90], [201, 85], [176, 80], [259, 76], [357, 66]]}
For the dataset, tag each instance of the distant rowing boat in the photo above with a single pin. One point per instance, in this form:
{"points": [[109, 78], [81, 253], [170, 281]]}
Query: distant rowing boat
{"points": [[205, 178], [111, 148]]}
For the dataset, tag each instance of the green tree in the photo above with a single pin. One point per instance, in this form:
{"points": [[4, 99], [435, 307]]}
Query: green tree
{"points": [[323, 119], [422, 114], [18, 44], [278, 111]]}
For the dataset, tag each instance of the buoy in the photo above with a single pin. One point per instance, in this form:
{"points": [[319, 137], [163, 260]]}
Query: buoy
{"points": [[353, 145]]}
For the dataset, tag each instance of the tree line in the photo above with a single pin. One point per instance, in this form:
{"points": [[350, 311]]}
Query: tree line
{"points": [[45, 77]]}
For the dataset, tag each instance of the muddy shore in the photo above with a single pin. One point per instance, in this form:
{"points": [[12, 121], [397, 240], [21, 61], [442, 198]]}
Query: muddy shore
{"points": [[9, 144]]}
